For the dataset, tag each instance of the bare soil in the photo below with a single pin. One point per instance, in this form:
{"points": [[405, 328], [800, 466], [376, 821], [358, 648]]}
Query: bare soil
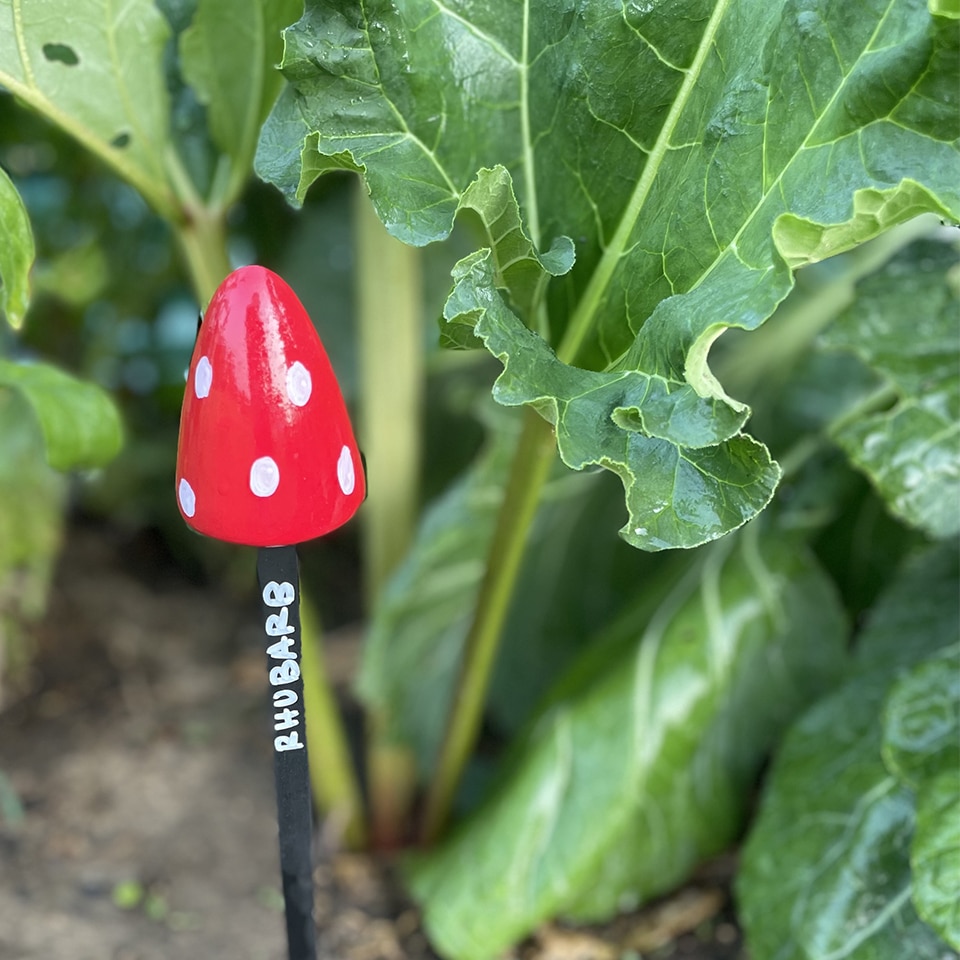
{"points": [[136, 798]]}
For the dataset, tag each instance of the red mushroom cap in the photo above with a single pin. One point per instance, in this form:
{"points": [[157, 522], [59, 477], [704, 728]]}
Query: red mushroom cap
{"points": [[266, 455]]}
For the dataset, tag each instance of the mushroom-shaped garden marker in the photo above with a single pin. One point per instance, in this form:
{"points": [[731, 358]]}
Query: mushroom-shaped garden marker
{"points": [[267, 458]]}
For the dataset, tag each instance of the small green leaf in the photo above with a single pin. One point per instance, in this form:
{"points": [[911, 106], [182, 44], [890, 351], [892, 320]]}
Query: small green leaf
{"points": [[94, 68], [903, 325], [826, 870], [935, 854], [16, 253], [515, 267], [80, 424], [921, 734], [229, 55], [626, 782]]}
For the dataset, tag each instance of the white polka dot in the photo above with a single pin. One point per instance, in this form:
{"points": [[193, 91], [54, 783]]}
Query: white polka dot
{"points": [[299, 384], [345, 472], [187, 498], [203, 378], [264, 477]]}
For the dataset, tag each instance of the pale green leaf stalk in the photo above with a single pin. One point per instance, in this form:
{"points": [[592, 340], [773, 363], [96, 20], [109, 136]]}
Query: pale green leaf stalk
{"points": [[392, 342], [527, 477], [392, 348], [332, 777], [203, 239], [421, 618]]}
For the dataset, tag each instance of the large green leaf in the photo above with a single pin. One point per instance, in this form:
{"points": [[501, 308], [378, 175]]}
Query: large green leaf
{"points": [[695, 151], [904, 325], [16, 253], [826, 869], [80, 424], [625, 784], [94, 67], [229, 55], [826, 872]]}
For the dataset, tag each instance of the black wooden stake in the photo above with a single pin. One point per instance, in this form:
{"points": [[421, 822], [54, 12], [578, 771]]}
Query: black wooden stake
{"points": [[278, 575]]}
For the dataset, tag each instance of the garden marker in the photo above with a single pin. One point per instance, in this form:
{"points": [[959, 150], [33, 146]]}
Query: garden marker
{"points": [[267, 458]]}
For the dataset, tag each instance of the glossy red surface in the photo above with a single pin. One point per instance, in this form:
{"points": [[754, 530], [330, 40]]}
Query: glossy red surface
{"points": [[266, 455]]}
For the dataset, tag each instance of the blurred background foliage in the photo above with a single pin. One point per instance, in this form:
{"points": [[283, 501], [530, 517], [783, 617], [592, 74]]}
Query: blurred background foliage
{"points": [[112, 303]]}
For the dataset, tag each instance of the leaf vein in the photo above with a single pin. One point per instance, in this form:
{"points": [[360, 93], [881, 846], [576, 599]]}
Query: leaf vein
{"points": [[585, 310], [777, 183], [492, 42], [22, 43], [652, 46]]}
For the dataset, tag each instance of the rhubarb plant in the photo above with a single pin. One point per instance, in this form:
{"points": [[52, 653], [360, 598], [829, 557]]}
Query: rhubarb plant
{"points": [[709, 289], [639, 181]]}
